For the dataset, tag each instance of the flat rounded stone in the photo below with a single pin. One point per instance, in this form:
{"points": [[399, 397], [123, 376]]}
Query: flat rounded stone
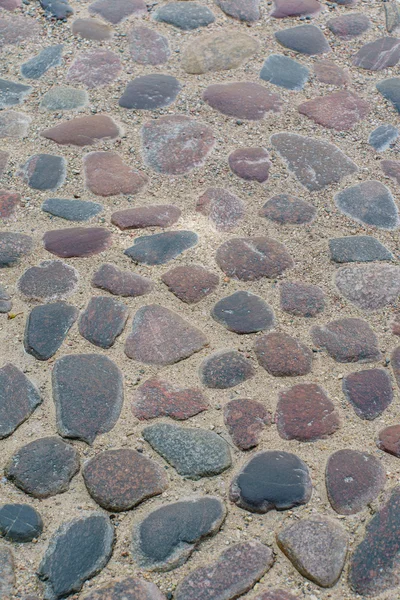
{"points": [[288, 210], [121, 283], [64, 98], [88, 394], [242, 99], [245, 420], [188, 16], [51, 280], [83, 131], [103, 321], [12, 93], [18, 399], [391, 168], [190, 283], [284, 72], [121, 479], [38, 65], [314, 162], [159, 398], [20, 523], [94, 68], [160, 248], [383, 137], [71, 210], [378, 55], [176, 144], [118, 10], [168, 535], [13, 247], [244, 312], [353, 480], [90, 29], [160, 336], [219, 51], [327, 71], [369, 203], [140, 217], [16, 29], [148, 47], [77, 551], [225, 369], [224, 209], [369, 392], [232, 574], [14, 124], [305, 39], [349, 26], [7, 571], [301, 299], [250, 164], [282, 355], [57, 9], [129, 588], [358, 248], [277, 594], [305, 413], [251, 258], [317, 547], [295, 8], [5, 300], [243, 10], [43, 468], [390, 89], [389, 440], [47, 327], [194, 453], [347, 340], [106, 174], [44, 172], [340, 110], [370, 287], [269, 480], [77, 241], [149, 92]]}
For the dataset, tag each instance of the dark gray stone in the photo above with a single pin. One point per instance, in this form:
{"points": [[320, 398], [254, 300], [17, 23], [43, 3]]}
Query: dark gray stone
{"points": [[13, 247], [381, 137], [161, 248], [51, 280], [190, 15], [44, 171], [347, 340], [71, 210], [20, 523], [12, 93], [64, 98], [58, 9], [103, 321], [167, 536], [47, 327], [37, 66], [194, 453], [370, 392], [284, 72], [149, 92], [7, 574], [226, 369], [18, 399], [306, 39], [369, 203], [358, 248], [378, 54], [243, 312], [390, 89]]}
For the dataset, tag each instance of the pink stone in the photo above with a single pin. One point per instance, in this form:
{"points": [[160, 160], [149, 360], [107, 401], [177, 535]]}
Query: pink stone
{"points": [[223, 208], [295, 8], [148, 47], [251, 164], [121, 283], [83, 131], [349, 26], [8, 203], [156, 215], [242, 99], [190, 283], [95, 68], [340, 110], [245, 421], [282, 355], [116, 11], [159, 398], [327, 72], [107, 175]]}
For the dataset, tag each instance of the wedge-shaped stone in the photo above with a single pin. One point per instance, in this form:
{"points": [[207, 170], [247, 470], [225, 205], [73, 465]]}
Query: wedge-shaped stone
{"points": [[148, 47], [224, 209], [160, 248], [77, 241], [103, 321], [347, 340], [226, 369], [106, 174], [358, 248], [218, 52], [38, 65], [243, 10], [18, 399], [370, 203], [340, 110], [72, 210], [95, 68], [390, 89], [47, 327], [121, 283], [370, 392], [118, 10], [83, 131]]}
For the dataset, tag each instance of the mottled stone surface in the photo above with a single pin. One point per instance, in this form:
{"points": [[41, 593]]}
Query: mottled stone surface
{"points": [[64, 98], [301, 299], [269, 480], [305, 39], [282, 355], [243, 10], [7, 575], [47, 327], [370, 392], [149, 92], [20, 523], [383, 136], [190, 283], [295, 8], [358, 248], [224, 209], [288, 210], [347, 340], [58, 9], [121, 283], [130, 589], [106, 174], [77, 241], [277, 594], [242, 99], [190, 15], [284, 72], [38, 65], [161, 248], [245, 420], [103, 321], [5, 300], [370, 203], [118, 10], [148, 47], [327, 71], [159, 398], [390, 89], [395, 360], [51, 280], [72, 210], [140, 217], [340, 110], [83, 131], [250, 164], [379, 54], [90, 29], [225, 369], [349, 26], [12, 93], [389, 440], [94, 68], [369, 287], [4, 156], [13, 247], [244, 312], [16, 29], [18, 399], [44, 172], [14, 124], [391, 168]]}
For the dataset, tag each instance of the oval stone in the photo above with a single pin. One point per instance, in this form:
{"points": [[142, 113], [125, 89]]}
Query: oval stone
{"points": [[250, 164], [370, 392], [13, 247], [148, 47], [288, 210], [225, 369], [301, 299], [224, 209], [305, 39], [140, 217], [243, 312], [121, 283], [242, 99], [83, 131], [282, 355], [188, 16], [77, 241], [190, 283], [51, 280]]}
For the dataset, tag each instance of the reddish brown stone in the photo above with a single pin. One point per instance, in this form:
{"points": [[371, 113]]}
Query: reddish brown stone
{"points": [[295, 8], [282, 355], [244, 312], [156, 215], [379, 54], [121, 479], [249, 259], [340, 110], [370, 392], [327, 72], [349, 26], [159, 398], [245, 421], [190, 284], [276, 595], [129, 589], [242, 99], [90, 29], [251, 164], [148, 47], [77, 241], [391, 168], [288, 210], [3, 161], [107, 175], [95, 68], [222, 207], [9, 201], [103, 321], [83, 131], [118, 10], [347, 340], [14, 30], [389, 440], [301, 299], [121, 283]]}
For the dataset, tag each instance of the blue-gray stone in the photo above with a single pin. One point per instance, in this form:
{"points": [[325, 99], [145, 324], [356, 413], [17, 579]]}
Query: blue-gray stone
{"points": [[47, 327], [20, 523], [44, 171], [64, 98], [306, 39], [185, 15], [390, 89], [370, 203], [358, 248], [383, 136], [149, 92], [285, 72], [59, 9], [71, 210], [160, 248], [12, 93], [37, 66]]}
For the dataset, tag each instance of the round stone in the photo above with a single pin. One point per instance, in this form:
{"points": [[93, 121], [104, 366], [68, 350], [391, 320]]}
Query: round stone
{"points": [[14, 124], [288, 210], [347, 340], [243, 312], [250, 164], [224, 209], [369, 392], [148, 47], [190, 283], [226, 369], [20, 523], [242, 100], [282, 355], [149, 92], [301, 299], [51, 280], [95, 68]]}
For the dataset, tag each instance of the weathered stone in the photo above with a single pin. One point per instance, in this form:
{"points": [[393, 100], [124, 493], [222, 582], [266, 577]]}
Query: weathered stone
{"points": [[121, 479], [358, 248], [37, 66], [88, 394], [14, 124], [306, 39], [282, 355], [103, 321], [4, 156], [390, 89], [107, 175], [328, 72], [121, 283], [242, 99], [77, 241], [149, 92], [250, 259], [130, 589], [7, 575], [392, 14], [250, 164], [159, 398], [72, 210], [391, 168], [167, 536], [148, 47], [188, 16], [389, 440], [295, 8], [118, 10], [20, 523], [43, 468], [347, 340], [51, 280], [18, 399], [12, 93], [383, 136], [83, 131], [95, 68], [224, 209], [314, 162], [234, 572], [349, 26], [64, 98], [161, 337], [140, 217], [13, 247], [340, 110], [244, 312], [176, 144], [47, 327], [90, 29], [271, 480], [305, 413], [59, 9], [5, 300], [219, 51], [160, 248], [190, 283], [16, 29], [243, 10], [379, 54], [194, 453], [226, 369], [77, 551], [369, 203], [284, 72], [353, 480], [317, 547], [288, 210], [370, 287], [301, 299], [245, 421], [44, 171]]}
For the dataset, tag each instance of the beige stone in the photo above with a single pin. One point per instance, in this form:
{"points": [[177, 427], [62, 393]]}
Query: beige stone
{"points": [[218, 52]]}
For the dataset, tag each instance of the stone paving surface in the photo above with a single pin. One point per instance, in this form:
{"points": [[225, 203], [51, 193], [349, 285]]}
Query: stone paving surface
{"points": [[199, 299]]}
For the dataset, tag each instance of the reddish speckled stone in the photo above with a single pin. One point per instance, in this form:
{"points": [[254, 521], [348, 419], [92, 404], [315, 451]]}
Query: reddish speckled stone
{"points": [[94, 68], [10, 4], [379, 54], [159, 398], [77, 241], [250, 164], [191, 283], [349, 26], [103, 321], [282, 355], [16, 29], [224, 209], [347, 340], [328, 72], [243, 100], [9, 201], [369, 287], [245, 421], [18, 399], [389, 440], [288, 210], [118, 10], [148, 47], [340, 110], [301, 299], [121, 283], [83, 131], [7, 571], [106, 174], [156, 215], [295, 8], [129, 589], [370, 392], [225, 369]]}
